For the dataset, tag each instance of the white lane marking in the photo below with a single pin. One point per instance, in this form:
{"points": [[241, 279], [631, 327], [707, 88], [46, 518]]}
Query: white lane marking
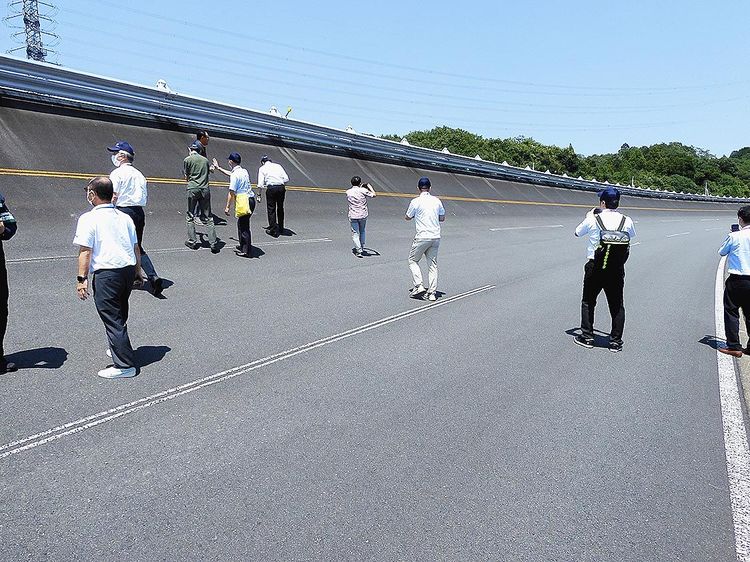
{"points": [[171, 250], [709, 220], [735, 434], [636, 244], [88, 422], [678, 234], [526, 227], [715, 228], [672, 220]]}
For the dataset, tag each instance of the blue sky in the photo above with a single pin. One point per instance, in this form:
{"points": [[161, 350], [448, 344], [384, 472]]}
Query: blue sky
{"points": [[588, 73]]}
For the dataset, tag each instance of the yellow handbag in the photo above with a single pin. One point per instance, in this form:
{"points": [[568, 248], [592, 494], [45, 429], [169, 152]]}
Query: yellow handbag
{"points": [[242, 205]]}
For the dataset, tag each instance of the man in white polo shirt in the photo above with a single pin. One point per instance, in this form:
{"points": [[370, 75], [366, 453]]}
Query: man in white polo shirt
{"points": [[737, 287], [272, 177], [109, 252], [427, 212], [131, 195]]}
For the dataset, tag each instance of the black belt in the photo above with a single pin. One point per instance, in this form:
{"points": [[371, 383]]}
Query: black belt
{"points": [[275, 185], [743, 277]]}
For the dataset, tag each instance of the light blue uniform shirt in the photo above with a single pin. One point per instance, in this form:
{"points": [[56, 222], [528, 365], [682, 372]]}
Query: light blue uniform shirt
{"points": [[737, 247]]}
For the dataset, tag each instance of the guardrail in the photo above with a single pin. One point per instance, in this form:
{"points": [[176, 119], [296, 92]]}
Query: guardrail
{"points": [[49, 84]]}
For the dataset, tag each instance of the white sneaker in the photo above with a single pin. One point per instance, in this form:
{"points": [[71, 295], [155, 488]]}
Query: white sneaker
{"points": [[431, 297], [116, 373], [417, 291]]}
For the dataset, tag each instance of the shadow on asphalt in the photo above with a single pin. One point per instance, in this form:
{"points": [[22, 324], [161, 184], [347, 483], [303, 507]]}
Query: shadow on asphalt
{"points": [[369, 252], [601, 339], [40, 358], [149, 354], [712, 342]]}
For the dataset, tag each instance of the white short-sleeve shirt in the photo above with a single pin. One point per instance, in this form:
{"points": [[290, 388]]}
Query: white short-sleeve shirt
{"points": [[426, 211], [111, 236], [611, 220], [239, 181], [129, 185]]}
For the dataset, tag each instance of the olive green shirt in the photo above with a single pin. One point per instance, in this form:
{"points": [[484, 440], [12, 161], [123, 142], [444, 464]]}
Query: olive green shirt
{"points": [[195, 168]]}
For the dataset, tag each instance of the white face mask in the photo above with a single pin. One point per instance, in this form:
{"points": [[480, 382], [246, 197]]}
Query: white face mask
{"points": [[115, 161]]}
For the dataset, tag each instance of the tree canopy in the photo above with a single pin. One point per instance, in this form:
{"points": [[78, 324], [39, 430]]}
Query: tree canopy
{"points": [[673, 165]]}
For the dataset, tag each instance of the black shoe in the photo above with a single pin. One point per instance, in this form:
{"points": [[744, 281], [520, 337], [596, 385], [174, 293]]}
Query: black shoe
{"points": [[157, 285], [615, 347], [238, 248], [192, 245], [241, 254], [215, 249], [588, 343], [8, 368]]}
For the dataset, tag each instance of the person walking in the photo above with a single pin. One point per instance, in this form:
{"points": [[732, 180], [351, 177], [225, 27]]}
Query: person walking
{"points": [[428, 212], [130, 197], [109, 252], [609, 233], [196, 169], [357, 197], [737, 286], [243, 196], [273, 178], [8, 227]]}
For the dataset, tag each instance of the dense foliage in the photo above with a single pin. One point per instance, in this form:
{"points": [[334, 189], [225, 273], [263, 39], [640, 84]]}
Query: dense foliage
{"points": [[672, 166]]}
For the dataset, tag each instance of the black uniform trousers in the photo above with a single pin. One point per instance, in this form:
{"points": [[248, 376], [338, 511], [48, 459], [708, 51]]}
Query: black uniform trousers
{"points": [[275, 195], [612, 282], [243, 230], [3, 304], [139, 220], [111, 293], [736, 297]]}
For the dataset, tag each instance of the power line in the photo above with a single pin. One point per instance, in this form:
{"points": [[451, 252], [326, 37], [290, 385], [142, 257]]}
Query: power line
{"points": [[577, 90]]}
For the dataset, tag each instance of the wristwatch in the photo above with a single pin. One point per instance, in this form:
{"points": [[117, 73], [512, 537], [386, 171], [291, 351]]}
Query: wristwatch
{"points": [[81, 279]]}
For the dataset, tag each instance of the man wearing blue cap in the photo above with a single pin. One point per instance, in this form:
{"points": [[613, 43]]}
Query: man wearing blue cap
{"points": [[243, 196], [130, 197], [427, 212], [609, 233]]}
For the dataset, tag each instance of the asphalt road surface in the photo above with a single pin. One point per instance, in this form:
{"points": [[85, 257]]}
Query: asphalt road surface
{"points": [[298, 405]]}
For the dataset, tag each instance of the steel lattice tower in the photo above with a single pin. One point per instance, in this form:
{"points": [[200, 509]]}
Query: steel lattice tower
{"points": [[31, 34]]}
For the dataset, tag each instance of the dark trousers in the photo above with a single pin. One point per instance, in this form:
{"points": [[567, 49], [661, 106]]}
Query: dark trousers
{"points": [[243, 230], [275, 205], [200, 198], [736, 297], [139, 220], [111, 293], [612, 282], [3, 304]]}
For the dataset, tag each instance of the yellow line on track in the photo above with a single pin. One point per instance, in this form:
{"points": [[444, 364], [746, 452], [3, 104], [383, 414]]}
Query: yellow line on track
{"points": [[177, 181]]}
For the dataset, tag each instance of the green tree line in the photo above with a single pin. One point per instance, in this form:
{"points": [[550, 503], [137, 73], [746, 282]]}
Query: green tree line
{"points": [[673, 166]]}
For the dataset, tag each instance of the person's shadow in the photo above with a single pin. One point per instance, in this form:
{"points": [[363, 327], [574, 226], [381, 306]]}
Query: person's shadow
{"points": [[40, 358], [149, 354], [369, 252], [712, 341], [601, 339], [287, 232]]}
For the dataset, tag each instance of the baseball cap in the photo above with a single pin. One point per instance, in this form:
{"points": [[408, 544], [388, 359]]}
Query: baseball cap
{"points": [[265, 159], [197, 146], [609, 195], [424, 182], [122, 145], [235, 157]]}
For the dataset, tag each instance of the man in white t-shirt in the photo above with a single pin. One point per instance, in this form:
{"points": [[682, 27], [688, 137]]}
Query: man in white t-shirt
{"points": [[427, 212], [357, 198], [131, 196], [272, 177], [239, 186], [109, 252]]}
